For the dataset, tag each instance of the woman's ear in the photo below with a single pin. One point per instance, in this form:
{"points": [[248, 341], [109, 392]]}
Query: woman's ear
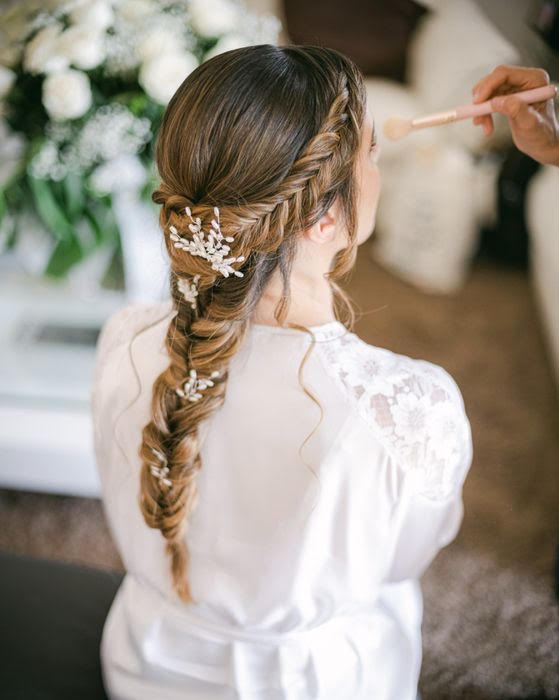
{"points": [[326, 228]]}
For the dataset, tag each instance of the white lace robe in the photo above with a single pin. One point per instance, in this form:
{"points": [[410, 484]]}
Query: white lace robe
{"points": [[312, 528]]}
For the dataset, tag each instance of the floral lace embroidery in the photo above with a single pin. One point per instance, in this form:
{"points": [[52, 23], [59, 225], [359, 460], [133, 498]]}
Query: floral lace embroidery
{"points": [[413, 406]]}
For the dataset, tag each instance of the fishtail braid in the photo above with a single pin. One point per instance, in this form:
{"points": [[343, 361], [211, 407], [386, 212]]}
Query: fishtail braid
{"points": [[205, 339]]}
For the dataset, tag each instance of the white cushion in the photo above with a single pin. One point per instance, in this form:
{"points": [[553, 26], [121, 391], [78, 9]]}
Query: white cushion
{"points": [[427, 228], [387, 99], [542, 214], [451, 49]]}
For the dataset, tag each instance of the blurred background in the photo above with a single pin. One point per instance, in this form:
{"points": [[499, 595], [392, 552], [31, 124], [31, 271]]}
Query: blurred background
{"points": [[462, 270]]}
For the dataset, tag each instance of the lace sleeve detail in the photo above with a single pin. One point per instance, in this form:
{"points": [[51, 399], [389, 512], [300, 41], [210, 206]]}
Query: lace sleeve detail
{"points": [[415, 409], [421, 416]]}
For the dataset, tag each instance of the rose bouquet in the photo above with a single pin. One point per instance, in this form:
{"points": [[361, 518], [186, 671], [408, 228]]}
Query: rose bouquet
{"points": [[83, 87]]}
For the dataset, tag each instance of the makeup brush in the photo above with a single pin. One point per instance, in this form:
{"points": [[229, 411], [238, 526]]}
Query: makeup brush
{"points": [[398, 127]]}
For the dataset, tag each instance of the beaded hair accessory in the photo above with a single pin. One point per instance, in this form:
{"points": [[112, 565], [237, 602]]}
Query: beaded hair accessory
{"points": [[189, 290], [212, 248], [161, 472], [195, 384], [191, 391]]}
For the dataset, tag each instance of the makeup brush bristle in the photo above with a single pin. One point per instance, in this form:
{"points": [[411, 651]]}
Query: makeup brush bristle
{"points": [[397, 128]]}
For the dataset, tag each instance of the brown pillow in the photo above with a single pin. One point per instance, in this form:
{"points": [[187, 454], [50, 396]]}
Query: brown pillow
{"points": [[374, 33]]}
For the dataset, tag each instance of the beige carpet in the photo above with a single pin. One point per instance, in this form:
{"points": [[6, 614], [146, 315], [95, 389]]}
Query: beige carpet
{"points": [[491, 626]]}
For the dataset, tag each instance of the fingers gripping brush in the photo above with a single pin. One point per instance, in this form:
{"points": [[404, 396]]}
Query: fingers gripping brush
{"points": [[397, 128]]}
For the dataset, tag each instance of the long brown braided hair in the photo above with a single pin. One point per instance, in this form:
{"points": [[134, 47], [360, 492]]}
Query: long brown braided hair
{"points": [[269, 135]]}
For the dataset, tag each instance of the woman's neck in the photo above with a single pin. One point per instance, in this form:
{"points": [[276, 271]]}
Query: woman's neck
{"points": [[311, 302]]}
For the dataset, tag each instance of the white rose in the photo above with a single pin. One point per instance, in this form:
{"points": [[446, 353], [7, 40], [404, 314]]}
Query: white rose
{"points": [[157, 41], [133, 10], [42, 53], [67, 95], [7, 78], [94, 13], [160, 76], [227, 43], [213, 17], [82, 45]]}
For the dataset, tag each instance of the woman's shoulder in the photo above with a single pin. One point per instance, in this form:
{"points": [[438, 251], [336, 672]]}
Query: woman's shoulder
{"points": [[115, 340], [121, 326], [414, 407], [364, 368]]}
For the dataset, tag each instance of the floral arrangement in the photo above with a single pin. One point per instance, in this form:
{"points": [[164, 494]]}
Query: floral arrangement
{"points": [[83, 87]]}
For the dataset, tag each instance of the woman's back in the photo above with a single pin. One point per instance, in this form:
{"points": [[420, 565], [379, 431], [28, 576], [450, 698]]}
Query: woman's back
{"points": [[311, 527]]}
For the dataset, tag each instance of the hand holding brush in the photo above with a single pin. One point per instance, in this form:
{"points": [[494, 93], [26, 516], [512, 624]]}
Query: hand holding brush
{"points": [[534, 127], [514, 106]]}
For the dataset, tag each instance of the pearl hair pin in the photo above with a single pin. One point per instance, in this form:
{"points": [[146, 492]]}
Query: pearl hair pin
{"points": [[160, 472], [195, 384], [211, 248], [191, 391], [189, 290]]}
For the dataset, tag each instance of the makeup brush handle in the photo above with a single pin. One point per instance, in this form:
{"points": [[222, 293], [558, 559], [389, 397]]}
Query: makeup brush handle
{"points": [[540, 94]]}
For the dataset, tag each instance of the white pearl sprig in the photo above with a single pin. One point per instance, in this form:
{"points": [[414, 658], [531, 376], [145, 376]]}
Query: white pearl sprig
{"points": [[195, 384], [211, 248], [189, 290], [160, 472]]}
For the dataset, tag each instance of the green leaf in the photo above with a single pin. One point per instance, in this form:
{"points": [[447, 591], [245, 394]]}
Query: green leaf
{"points": [[137, 104], [90, 216], [2, 205], [11, 235], [114, 274], [11, 192], [49, 210], [73, 195], [100, 214], [87, 236], [64, 256]]}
